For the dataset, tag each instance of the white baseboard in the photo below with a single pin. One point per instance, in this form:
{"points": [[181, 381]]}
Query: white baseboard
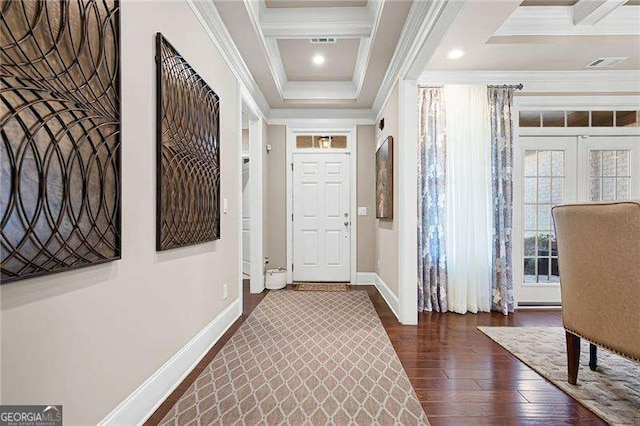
{"points": [[388, 296], [141, 404], [371, 278], [366, 278]]}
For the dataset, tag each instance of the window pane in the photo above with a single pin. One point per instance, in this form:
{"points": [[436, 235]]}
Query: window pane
{"points": [[622, 189], [557, 191], [602, 118], [622, 163], [544, 190], [555, 272], [529, 244], [304, 141], [529, 118], [608, 163], [595, 163], [530, 217], [578, 118], [557, 163], [553, 119], [626, 118], [544, 163], [608, 189], [596, 189], [529, 270], [339, 142], [322, 142], [543, 244], [530, 163], [544, 216], [530, 190], [543, 270]]}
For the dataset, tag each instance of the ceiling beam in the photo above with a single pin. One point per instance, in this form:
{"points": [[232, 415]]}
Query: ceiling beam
{"points": [[588, 12], [317, 22], [558, 21]]}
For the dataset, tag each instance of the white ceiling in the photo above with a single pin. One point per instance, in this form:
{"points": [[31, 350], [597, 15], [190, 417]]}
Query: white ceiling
{"points": [[273, 37], [340, 59], [503, 35]]}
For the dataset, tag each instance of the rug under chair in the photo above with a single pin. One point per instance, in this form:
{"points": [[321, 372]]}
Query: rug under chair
{"points": [[612, 391], [304, 357]]}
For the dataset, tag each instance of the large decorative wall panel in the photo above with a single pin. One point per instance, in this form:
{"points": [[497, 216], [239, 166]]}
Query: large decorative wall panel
{"points": [[188, 153], [60, 135]]}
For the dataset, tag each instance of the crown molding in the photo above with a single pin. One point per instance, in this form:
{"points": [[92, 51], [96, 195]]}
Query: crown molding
{"points": [[559, 21], [212, 23], [313, 117], [427, 22], [581, 81], [352, 22]]}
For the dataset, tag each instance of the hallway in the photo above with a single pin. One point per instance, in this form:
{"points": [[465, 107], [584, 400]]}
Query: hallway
{"points": [[460, 376]]}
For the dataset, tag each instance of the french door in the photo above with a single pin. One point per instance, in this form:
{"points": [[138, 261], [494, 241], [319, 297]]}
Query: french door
{"points": [[321, 220], [557, 170]]}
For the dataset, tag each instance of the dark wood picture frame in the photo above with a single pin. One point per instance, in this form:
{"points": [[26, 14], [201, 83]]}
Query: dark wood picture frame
{"points": [[61, 132], [188, 153], [384, 180]]}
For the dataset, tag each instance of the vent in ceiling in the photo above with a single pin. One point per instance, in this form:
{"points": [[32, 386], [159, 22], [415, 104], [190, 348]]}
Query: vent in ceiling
{"points": [[323, 40], [606, 62]]}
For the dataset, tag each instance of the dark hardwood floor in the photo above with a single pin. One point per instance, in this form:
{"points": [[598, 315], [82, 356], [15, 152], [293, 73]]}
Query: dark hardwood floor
{"points": [[461, 376]]}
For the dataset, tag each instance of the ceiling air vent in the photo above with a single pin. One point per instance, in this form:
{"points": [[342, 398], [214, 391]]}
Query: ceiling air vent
{"points": [[606, 62], [323, 40]]}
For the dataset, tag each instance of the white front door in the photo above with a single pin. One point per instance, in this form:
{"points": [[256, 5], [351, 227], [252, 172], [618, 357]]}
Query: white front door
{"points": [[558, 170], [246, 233], [321, 218]]}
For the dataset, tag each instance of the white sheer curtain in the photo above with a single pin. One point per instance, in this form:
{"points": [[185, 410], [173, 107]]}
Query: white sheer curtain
{"points": [[469, 219]]}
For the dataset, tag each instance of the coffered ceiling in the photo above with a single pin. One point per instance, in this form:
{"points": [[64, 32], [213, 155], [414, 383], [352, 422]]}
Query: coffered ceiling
{"points": [[545, 35], [274, 38]]}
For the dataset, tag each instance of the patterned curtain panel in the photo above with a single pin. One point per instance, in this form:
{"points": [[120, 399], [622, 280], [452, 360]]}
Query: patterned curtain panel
{"points": [[500, 104], [432, 254]]}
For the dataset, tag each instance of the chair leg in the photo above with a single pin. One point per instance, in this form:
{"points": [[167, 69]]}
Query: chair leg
{"points": [[593, 357], [573, 357]]}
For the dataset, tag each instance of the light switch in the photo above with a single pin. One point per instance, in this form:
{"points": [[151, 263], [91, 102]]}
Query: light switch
{"points": [[362, 211], [225, 206]]}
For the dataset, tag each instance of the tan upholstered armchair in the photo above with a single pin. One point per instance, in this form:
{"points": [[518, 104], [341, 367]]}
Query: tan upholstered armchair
{"points": [[599, 254]]}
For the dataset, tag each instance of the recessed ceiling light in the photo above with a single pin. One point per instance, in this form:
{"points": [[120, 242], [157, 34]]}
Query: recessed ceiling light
{"points": [[455, 54], [318, 59]]}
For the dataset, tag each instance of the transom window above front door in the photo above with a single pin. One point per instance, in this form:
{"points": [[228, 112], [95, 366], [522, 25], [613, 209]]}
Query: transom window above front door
{"points": [[323, 142]]}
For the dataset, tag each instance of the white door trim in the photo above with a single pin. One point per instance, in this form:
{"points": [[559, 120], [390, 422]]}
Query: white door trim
{"points": [[255, 219], [351, 133], [255, 191]]}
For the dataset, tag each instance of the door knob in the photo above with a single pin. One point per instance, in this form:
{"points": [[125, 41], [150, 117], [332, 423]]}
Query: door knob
{"points": [[346, 223]]}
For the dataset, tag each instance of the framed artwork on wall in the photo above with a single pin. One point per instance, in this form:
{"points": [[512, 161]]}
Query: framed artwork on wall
{"points": [[384, 179], [188, 153], [60, 128]]}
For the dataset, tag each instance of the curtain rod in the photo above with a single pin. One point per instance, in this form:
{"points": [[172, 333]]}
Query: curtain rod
{"points": [[505, 86]]}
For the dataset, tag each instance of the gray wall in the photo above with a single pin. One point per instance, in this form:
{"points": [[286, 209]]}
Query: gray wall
{"points": [[88, 338], [366, 198], [275, 200], [387, 230]]}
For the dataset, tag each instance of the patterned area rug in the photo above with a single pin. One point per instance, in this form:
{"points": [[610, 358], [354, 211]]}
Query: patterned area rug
{"points": [[612, 391], [322, 287], [304, 358]]}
